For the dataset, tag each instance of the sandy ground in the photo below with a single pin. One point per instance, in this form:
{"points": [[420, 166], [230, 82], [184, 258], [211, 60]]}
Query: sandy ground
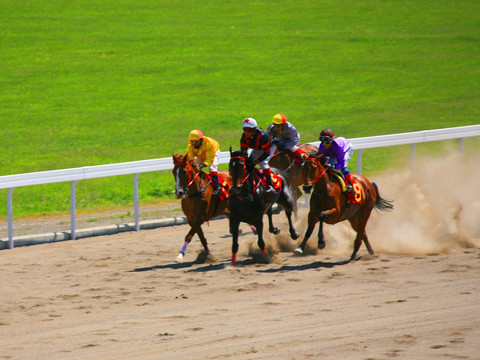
{"points": [[123, 297]]}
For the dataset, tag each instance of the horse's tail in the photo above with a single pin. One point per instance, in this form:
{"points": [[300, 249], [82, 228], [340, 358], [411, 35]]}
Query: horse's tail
{"points": [[382, 204]]}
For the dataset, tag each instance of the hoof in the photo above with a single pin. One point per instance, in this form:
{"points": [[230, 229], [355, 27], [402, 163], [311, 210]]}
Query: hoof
{"points": [[321, 244], [298, 251], [179, 259], [295, 236]]}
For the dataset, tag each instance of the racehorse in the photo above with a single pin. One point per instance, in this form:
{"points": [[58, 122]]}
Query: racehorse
{"points": [[195, 188], [330, 204], [293, 171], [249, 200]]}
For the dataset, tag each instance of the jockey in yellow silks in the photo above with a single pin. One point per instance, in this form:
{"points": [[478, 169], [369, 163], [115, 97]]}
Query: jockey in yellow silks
{"points": [[207, 151]]}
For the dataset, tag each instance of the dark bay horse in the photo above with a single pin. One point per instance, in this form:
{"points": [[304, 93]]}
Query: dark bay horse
{"points": [[195, 188], [249, 201], [330, 204], [291, 169]]}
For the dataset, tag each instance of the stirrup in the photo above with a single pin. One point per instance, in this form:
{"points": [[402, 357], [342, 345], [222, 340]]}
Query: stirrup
{"points": [[349, 188], [270, 189], [217, 192]]}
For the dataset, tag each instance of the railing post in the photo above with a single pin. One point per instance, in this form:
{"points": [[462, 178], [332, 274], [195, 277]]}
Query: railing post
{"points": [[10, 218], [412, 155], [72, 209], [359, 161], [135, 202], [460, 147]]}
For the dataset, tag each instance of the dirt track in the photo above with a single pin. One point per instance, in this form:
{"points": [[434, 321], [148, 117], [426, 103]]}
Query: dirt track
{"points": [[123, 297]]}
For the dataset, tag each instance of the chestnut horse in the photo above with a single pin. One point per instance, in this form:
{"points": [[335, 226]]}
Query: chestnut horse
{"points": [[330, 204], [195, 188], [292, 170], [249, 200]]}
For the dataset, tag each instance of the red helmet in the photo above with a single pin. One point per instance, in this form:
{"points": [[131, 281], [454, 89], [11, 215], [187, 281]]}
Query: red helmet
{"points": [[326, 136]]}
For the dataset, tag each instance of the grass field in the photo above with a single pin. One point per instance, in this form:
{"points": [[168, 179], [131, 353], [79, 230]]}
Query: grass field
{"points": [[89, 83]]}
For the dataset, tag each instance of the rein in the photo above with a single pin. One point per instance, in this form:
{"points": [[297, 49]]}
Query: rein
{"points": [[189, 184], [284, 153], [319, 176], [245, 177]]}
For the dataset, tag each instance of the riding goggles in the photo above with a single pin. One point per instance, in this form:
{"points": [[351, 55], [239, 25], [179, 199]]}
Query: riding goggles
{"points": [[325, 139]]}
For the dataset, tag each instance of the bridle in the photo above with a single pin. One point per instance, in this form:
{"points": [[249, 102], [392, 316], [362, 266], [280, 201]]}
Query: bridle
{"points": [[246, 175], [317, 178], [242, 161], [188, 170]]}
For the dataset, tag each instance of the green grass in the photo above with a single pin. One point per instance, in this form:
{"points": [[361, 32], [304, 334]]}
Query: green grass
{"points": [[89, 83]]}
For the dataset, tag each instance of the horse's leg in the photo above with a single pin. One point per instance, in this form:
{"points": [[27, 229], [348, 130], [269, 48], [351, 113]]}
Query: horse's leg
{"points": [[313, 218], [293, 233], [188, 238], [359, 223], [274, 230], [234, 224], [321, 239], [260, 242], [367, 243], [203, 239]]}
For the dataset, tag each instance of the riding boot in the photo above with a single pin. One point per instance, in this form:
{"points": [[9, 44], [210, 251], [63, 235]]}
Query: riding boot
{"points": [[268, 179], [298, 156], [348, 182], [216, 184]]}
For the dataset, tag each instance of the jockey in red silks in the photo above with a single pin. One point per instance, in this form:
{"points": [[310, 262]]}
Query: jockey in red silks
{"points": [[286, 137], [207, 151], [262, 152], [339, 152]]}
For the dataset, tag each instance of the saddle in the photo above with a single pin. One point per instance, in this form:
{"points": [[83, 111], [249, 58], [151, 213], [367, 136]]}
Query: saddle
{"points": [[224, 187], [354, 197], [276, 180]]}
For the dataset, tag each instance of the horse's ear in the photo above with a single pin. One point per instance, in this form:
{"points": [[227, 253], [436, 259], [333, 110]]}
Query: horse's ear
{"points": [[230, 151]]}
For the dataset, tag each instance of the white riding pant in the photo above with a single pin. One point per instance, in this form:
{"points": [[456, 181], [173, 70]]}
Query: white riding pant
{"points": [[256, 153], [214, 165]]}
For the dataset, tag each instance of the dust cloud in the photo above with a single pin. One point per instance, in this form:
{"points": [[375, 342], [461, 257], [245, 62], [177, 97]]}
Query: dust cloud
{"points": [[436, 210]]}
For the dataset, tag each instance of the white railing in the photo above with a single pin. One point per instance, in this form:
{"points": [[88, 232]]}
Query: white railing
{"points": [[73, 175]]}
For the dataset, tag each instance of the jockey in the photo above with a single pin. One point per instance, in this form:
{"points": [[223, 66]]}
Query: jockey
{"points": [[262, 152], [207, 151], [338, 151], [285, 137]]}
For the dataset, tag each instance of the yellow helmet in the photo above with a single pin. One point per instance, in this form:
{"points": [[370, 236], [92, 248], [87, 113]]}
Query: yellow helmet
{"points": [[279, 119], [195, 135]]}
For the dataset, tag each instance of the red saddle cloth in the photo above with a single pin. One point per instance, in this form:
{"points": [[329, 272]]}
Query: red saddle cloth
{"points": [[276, 180], [225, 188], [356, 196]]}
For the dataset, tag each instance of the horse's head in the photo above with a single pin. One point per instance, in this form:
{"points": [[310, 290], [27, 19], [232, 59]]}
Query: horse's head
{"points": [[237, 168], [311, 172], [180, 173]]}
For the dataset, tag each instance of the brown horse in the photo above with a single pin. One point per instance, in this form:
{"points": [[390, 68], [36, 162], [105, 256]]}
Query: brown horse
{"points": [[283, 161], [330, 204], [195, 188]]}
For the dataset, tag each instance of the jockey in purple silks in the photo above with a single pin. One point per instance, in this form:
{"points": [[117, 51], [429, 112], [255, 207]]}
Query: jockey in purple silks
{"points": [[338, 152]]}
